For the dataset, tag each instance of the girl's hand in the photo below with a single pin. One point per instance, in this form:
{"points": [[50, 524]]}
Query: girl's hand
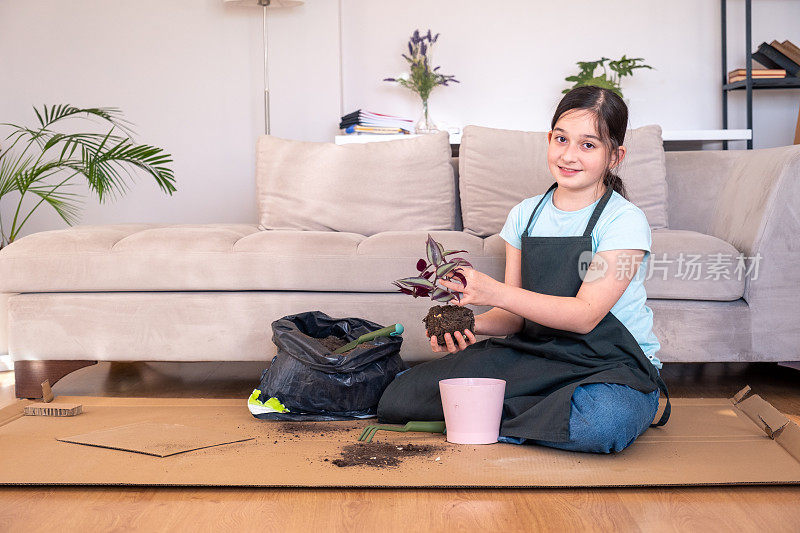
{"points": [[480, 290], [462, 340]]}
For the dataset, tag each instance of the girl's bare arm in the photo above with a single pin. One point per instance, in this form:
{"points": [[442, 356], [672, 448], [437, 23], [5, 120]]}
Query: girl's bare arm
{"points": [[497, 321], [609, 275]]}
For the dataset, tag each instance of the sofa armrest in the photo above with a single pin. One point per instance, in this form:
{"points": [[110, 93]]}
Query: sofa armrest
{"points": [[751, 199], [759, 194], [758, 212]]}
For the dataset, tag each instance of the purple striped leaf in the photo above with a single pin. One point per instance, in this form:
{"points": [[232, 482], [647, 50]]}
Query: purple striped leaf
{"points": [[403, 289], [416, 282], [443, 270], [441, 295], [433, 251]]}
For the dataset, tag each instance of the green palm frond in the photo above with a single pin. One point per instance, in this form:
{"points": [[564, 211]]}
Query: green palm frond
{"points": [[66, 204], [106, 161], [52, 114], [10, 170], [104, 167], [150, 159]]}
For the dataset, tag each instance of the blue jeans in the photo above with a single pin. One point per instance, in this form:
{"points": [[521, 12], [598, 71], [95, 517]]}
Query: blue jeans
{"points": [[604, 418]]}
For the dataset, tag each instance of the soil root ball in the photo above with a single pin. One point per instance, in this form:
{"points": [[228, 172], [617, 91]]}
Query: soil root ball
{"points": [[443, 319]]}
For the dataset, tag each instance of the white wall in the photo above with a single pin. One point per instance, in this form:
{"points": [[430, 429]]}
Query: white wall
{"points": [[189, 74]]}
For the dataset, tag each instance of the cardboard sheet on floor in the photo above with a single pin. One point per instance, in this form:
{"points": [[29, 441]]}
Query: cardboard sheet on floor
{"points": [[161, 440], [742, 440]]}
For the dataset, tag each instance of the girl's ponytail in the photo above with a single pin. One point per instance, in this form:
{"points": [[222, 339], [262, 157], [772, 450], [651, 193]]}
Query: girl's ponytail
{"points": [[615, 182]]}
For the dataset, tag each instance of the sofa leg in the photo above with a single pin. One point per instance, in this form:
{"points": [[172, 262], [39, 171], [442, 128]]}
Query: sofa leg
{"points": [[29, 375]]}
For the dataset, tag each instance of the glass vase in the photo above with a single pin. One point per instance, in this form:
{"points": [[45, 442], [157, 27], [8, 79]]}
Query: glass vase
{"points": [[425, 124]]}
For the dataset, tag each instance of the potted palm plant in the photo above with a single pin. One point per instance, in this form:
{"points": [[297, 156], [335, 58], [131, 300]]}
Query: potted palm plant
{"points": [[43, 163]]}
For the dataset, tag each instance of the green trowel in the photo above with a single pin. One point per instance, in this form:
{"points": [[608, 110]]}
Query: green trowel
{"points": [[391, 331]]}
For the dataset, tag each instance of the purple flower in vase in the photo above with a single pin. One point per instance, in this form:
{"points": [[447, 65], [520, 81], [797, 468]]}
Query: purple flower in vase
{"points": [[422, 80]]}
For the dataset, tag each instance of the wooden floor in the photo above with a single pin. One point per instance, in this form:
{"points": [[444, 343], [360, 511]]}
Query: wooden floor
{"points": [[753, 508]]}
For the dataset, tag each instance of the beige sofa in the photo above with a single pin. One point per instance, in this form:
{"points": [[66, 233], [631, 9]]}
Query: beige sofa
{"points": [[339, 223]]}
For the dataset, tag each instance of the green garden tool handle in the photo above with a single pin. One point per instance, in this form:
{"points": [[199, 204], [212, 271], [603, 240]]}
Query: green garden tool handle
{"points": [[428, 427], [436, 426], [390, 331]]}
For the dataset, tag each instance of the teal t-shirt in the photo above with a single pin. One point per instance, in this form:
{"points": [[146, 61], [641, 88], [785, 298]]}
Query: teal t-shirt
{"points": [[621, 226]]}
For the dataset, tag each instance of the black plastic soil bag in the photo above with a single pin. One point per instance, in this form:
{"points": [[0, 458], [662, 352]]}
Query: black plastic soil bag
{"points": [[316, 384]]}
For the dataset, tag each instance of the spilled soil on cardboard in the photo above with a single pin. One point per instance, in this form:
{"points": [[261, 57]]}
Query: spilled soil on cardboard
{"points": [[383, 454]]}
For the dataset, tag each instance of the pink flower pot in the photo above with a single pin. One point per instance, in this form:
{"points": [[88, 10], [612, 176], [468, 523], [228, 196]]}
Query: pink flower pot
{"points": [[472, 409]]}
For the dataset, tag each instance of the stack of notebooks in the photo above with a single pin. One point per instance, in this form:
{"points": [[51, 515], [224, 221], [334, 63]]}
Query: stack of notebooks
{"points": [[366, 122], [757, 73], [780, 60]]}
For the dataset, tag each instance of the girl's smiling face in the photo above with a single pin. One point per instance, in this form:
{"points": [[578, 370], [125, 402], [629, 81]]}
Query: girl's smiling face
{"points": [[576, 156]]}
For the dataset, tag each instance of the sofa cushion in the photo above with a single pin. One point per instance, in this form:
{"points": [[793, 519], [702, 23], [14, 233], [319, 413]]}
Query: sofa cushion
{"points": [[687, 265], [499, 168], [153, 257], [149, 257], [367, 188]]}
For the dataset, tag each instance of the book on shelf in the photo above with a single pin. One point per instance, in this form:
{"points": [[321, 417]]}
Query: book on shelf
{"points": [[757, 73], [791, 46], [768, 56], [734, 79], [374, 130], [370, 114], [362, 117], [788, 49]]}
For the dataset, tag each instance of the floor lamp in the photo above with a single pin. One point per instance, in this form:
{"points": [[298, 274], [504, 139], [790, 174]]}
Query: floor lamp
{"points": [[265, 4]]}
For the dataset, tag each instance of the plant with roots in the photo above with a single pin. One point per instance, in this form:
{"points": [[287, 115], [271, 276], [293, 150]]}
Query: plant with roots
{"points": [[436, 267]]}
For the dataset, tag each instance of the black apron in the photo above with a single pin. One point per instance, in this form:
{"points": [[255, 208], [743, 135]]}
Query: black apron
{"points": [[541, 366]]}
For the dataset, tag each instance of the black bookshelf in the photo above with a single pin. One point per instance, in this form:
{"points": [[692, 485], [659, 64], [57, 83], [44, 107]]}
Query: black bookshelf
{"points": [[748, 85], [777, 83]]}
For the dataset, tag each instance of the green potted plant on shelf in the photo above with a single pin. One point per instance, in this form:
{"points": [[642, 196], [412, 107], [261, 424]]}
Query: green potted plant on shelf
{"points": [[610, 80], [44, 163]]}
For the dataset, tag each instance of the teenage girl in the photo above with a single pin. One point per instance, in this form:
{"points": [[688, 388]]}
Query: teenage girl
{"points": [[572, 335]]}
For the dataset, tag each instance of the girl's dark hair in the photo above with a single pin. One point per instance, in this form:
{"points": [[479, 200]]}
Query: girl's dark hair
{"points": [[611, 121]]}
